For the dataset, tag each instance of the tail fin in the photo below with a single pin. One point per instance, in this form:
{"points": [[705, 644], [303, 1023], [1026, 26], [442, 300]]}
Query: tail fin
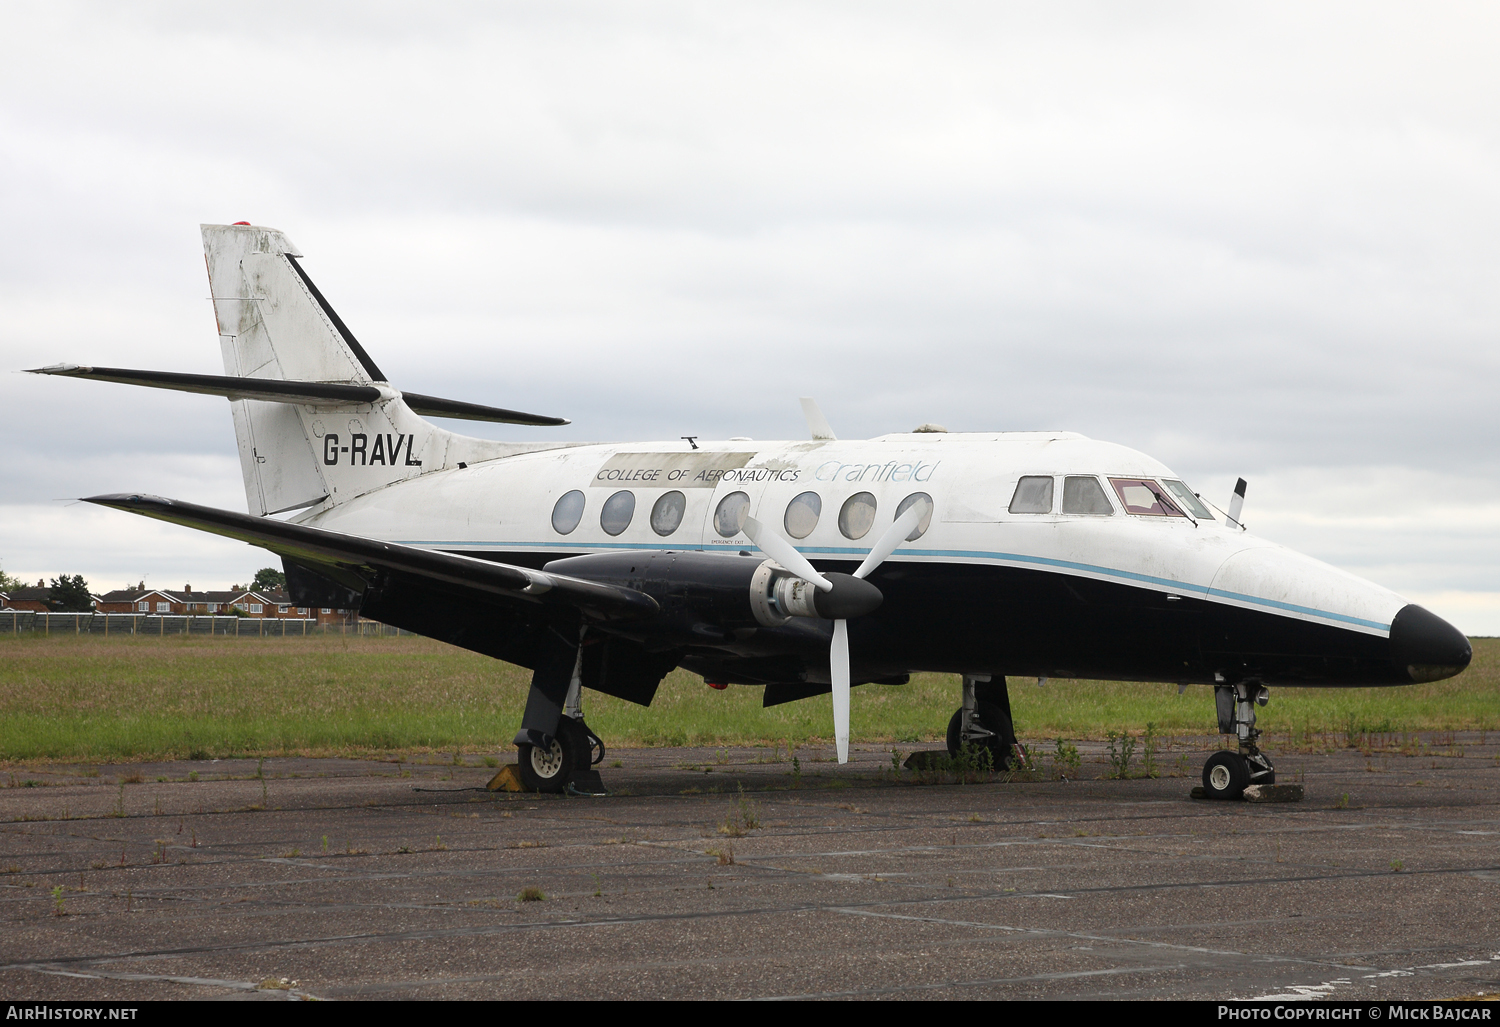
{"points": [[274, 324]]}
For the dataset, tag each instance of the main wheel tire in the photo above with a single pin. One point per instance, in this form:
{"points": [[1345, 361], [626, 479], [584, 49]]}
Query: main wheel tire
{"points": [[550, 770], [1225, 775], [1001, 745]]}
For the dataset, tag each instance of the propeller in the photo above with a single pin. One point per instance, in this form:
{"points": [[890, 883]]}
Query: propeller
{"points": [[844, 599], [784, 553]]}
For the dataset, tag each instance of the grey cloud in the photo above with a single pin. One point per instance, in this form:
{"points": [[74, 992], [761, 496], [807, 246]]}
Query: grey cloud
{"points": [[1246, 241]]}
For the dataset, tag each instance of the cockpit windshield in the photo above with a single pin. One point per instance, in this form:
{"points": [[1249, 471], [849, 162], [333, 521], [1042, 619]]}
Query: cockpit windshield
{"points": [[1145, 498], [1168, 497], [1188, 498]]}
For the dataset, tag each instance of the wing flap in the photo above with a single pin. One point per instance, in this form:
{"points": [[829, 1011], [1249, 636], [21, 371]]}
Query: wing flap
{"points": [[366, 558]]}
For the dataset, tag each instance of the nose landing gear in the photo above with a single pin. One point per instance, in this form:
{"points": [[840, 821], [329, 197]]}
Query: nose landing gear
{"points": [[1227, 774], [983, 721]]}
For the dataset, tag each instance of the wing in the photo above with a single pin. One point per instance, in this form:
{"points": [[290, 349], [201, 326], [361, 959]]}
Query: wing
{"points": [[363, 563]]}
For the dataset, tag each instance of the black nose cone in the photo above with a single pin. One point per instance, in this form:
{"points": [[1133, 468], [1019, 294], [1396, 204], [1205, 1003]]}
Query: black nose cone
{"points": [[1427, 648], [850, 597]]}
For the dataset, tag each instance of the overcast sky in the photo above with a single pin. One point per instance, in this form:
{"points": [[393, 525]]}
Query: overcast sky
{"points": [[1252, 240]]}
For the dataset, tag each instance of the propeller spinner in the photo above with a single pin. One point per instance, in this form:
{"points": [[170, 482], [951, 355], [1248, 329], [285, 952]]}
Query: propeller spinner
{"points": [[836, 597]]}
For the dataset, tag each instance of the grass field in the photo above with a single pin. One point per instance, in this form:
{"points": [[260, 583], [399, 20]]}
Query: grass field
{"points": [[95, 699]]}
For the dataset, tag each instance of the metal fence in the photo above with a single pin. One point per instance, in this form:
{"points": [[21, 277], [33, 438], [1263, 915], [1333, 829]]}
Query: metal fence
{"points": [[15, 622]]}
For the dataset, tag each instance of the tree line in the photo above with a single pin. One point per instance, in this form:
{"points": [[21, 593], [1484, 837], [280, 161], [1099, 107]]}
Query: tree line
{"points": [[69, 593]]}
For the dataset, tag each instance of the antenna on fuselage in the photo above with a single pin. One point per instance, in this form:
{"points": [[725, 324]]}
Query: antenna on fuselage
{"points": [[1237, 503]]}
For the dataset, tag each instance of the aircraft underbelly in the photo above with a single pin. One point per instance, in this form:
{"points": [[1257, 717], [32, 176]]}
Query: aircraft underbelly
{"points": [[1049, 623]]}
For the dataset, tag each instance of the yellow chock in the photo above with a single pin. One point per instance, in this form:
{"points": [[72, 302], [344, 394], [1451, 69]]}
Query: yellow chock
{"points": [[508, 780]]}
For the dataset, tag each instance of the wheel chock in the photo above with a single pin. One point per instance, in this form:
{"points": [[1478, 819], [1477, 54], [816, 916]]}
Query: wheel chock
{"points": [[929, 759], [1262, 793], [1273, 793], [508, 780]]}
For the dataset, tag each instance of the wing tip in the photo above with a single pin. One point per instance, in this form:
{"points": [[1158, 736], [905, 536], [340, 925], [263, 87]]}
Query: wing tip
{"points": [[125, 500]]}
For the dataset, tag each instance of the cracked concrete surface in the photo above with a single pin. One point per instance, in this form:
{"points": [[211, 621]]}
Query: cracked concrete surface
{"points": [[343, 879]]}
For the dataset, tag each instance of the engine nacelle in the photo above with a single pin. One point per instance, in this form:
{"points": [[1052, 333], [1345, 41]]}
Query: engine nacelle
{"points": [[777, 595], [703, 594]]}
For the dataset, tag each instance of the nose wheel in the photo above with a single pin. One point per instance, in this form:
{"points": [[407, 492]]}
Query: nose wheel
{"points": [[982, 724], [1228, 773], [1225, 775]]}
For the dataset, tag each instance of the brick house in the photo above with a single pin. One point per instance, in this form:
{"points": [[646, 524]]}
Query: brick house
{"points": [[37, 599], [279, 604], [186, 602], [27, 598]]}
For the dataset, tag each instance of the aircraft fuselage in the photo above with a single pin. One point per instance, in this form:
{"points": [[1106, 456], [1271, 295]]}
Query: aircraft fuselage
{"points": [[998, 582]]}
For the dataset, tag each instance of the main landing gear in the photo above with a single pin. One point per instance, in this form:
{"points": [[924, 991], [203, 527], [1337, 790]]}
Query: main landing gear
{"points": [[1227, 774], [983, 722], [555, 746], [574, 750]]}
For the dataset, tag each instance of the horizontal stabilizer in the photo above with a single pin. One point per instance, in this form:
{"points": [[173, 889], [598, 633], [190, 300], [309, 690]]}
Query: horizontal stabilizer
{"points": [[363, 562], [271, 390]]}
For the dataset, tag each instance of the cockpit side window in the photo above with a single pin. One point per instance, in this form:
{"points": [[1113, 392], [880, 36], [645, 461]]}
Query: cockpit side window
{"points": [[1145, 497], [1084, 495], [1188, 498], [1033, 495]]}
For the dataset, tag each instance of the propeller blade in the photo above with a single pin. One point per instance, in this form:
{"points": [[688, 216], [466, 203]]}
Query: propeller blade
{"points": [[784, 553], [838, 671], [893, 537]]}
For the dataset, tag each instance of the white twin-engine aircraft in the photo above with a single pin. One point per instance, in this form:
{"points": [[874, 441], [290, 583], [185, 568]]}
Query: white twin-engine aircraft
{"points": [[799, 567]]}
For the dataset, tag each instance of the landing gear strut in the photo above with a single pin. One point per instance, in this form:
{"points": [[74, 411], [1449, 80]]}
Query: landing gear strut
{"points": [[1227, 774], [983, 721]]}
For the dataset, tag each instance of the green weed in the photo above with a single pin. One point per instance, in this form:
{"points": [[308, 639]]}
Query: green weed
{"points": [[1065, 759], [1121, 748], [746, 817], [1149, 743]]}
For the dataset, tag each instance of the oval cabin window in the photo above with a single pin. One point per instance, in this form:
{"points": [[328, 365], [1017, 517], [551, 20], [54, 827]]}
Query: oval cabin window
{"points": [[857, 516], [617, 512], [666, 514], [568, 512], [926, 519], [802, 515], [729, 516]]}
